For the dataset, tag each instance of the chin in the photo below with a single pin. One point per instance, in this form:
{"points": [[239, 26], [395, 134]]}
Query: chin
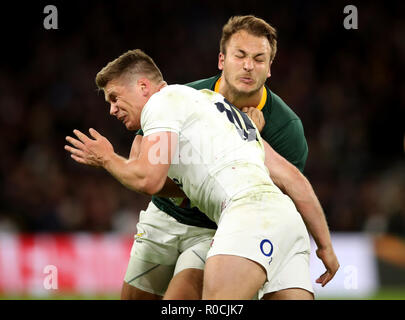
{"points": [[247, 90], [132, 127]]}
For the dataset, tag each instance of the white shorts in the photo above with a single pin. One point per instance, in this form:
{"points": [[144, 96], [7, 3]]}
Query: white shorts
{"points": [[267, 228], [294, 274], [163, 247]]}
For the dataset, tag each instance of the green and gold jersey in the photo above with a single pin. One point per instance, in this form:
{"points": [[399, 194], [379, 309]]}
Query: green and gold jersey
{"points": [[283, 131]]}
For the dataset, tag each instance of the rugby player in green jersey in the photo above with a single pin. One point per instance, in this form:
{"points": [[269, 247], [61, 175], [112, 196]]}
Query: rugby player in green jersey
{"points": [[173, 235]]}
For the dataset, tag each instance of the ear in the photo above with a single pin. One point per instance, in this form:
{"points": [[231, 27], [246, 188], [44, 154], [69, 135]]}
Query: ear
{"points": [[144, 86], [221, 61], [269, 72]]}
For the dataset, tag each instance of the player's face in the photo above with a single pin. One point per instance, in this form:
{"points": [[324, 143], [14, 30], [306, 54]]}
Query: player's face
{"points": [[246, 64], [126, 102]]}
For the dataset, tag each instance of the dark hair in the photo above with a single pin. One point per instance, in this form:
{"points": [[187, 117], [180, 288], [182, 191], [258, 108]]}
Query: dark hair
{"points": [[253, 25], [130, 63]]}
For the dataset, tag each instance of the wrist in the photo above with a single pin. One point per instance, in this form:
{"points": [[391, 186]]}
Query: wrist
{"points": [[108, 160], [325, 247]]}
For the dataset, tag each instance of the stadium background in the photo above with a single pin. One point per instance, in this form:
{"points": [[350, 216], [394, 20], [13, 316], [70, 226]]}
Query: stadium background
{"points": [[345, 85]]}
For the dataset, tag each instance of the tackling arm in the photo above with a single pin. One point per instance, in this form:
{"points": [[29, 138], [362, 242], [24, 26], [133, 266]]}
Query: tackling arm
{"points": [[146, 173], [170, 189], [292, 182]]}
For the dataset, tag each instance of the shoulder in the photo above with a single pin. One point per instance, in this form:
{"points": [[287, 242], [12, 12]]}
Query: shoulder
{"points": [[172, 99], [284, 130], [276, 107], [167, 109], [173, 93], [277, 113], [207, 83]]}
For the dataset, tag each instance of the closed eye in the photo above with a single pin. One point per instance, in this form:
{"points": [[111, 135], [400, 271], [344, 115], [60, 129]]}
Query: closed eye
{"points": [[240, 54], [111, 98], [260, 57]]}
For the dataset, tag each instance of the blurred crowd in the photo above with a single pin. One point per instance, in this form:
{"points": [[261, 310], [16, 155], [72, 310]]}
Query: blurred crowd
{"points": [[345, 85]]}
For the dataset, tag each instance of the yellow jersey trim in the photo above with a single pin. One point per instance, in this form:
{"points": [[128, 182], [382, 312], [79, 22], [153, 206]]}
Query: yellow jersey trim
{"points": [[262, 100]]}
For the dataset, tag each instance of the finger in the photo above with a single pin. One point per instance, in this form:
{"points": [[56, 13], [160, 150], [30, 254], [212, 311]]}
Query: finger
{"points": [[74, 151], [78, 159], [321, 277], [250, 114], [82, 137], [319, 280], [94, 133], [257, 113], [245, 109], [76, 143], [254, 112], [324, 278]]}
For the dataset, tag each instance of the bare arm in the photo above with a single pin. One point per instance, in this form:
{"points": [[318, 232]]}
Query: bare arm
{"points": [[145, 174], [292, 182], [136, 147], [170, 189]]}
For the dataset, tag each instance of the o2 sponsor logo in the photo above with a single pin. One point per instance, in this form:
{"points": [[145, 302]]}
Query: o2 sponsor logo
{"points": [[266, 247]]}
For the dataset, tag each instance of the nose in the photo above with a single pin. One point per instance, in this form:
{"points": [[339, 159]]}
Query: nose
{"points": [[113, 109], [248, 64]]}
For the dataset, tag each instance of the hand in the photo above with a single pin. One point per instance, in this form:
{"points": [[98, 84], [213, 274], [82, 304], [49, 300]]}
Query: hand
{"points": [[330, 261], [256, 115], [88, 151]]}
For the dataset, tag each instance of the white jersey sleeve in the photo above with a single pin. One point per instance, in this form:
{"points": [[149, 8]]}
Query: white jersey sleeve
{"points": [[165, 111]]}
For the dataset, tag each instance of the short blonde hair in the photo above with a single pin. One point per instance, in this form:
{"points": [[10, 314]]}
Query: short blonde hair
{"points": [[253, 25], [132, 62]]}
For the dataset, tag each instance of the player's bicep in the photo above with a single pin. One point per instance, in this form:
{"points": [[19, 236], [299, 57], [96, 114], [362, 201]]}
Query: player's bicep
{"points": [[136, 147], [155, 156], [280, 169]]}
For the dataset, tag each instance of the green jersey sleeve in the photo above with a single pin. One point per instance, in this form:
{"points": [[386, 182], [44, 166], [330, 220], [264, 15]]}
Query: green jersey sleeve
{"points": [[283, 130], [208, 83], [290, 142]]}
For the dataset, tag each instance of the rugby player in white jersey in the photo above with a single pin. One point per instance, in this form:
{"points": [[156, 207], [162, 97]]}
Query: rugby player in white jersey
{"points": [[247, 49], [259, 229]]}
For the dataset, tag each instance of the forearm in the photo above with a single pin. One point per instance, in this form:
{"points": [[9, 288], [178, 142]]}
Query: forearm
{"points": [[127, 172], [307, 204], [137, 173], [130, 173], [293, 183]]}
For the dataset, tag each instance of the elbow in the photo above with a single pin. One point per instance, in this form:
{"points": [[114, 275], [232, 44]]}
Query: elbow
{"points": [[287, 180], [150, 186]]}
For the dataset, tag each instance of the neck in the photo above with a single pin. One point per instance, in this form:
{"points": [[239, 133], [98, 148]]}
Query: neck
{"points": [[161, 85], [157, 87]]}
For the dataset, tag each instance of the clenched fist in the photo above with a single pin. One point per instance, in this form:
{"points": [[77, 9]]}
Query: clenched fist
{"points": [[256, 115]]}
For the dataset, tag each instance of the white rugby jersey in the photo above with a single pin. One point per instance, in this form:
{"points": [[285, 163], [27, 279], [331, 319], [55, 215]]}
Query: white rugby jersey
{"points": [[220, 154]]}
